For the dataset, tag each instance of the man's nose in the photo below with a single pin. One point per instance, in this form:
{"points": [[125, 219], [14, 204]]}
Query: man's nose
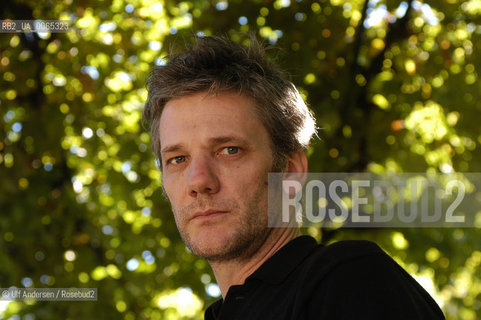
{"points": [[202, 177]]}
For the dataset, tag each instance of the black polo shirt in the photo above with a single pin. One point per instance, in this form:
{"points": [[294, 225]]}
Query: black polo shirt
{"points": [[345, 280]]}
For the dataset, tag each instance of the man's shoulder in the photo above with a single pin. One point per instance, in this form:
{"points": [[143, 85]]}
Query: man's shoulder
{"points": [[350, 248], [327, 258], [354, 264], [360, 276]]}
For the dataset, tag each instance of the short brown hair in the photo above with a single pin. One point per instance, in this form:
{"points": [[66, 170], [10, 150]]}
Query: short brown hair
{"points": [[217, 64]]}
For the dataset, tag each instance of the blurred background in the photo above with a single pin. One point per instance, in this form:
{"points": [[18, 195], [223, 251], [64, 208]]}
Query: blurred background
{"points": [[394, 85]]}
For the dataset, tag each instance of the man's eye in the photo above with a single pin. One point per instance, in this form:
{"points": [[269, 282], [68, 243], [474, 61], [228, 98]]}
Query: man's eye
{"points": [[177, 160], [230, 150]]}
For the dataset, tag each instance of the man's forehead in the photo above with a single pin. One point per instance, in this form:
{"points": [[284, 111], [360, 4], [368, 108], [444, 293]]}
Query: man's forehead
{"points": [[203, 107], [213, 117], [221, 98]]}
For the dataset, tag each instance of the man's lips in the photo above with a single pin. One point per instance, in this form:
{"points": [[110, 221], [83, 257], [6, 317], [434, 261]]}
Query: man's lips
{"points": [[207, 214]]}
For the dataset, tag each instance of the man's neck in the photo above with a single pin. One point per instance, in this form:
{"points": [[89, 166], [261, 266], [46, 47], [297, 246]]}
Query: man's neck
{"points": [[234, 272]]}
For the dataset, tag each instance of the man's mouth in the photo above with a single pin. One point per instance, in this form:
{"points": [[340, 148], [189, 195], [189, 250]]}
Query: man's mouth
{"points": [[208, 214]]}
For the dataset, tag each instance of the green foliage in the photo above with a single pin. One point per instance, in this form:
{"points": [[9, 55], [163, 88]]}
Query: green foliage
{"points": [[80, 196]]}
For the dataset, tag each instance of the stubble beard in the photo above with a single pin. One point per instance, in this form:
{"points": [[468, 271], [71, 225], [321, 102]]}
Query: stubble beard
{"points": [[248, 234]]}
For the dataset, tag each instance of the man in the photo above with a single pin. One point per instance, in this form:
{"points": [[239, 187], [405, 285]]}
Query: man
{"points": [[222, 116]]}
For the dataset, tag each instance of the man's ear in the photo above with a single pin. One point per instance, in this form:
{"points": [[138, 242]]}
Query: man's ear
{"points": [[297, 166]]}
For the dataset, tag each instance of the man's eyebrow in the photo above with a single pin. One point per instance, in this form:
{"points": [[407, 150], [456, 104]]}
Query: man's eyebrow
{"points": [[225, 139], [213, 141], [172, 148]]}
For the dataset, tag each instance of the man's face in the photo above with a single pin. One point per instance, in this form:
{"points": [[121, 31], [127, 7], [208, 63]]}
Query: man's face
{"points": [[216, 155]]}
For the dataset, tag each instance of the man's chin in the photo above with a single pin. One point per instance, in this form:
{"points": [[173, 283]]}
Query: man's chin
{"points": [[208, 244], [215, 246]]}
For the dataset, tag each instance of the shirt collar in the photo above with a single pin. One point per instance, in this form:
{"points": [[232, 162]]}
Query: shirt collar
{"points": [[284, 261], [276, 268]]}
